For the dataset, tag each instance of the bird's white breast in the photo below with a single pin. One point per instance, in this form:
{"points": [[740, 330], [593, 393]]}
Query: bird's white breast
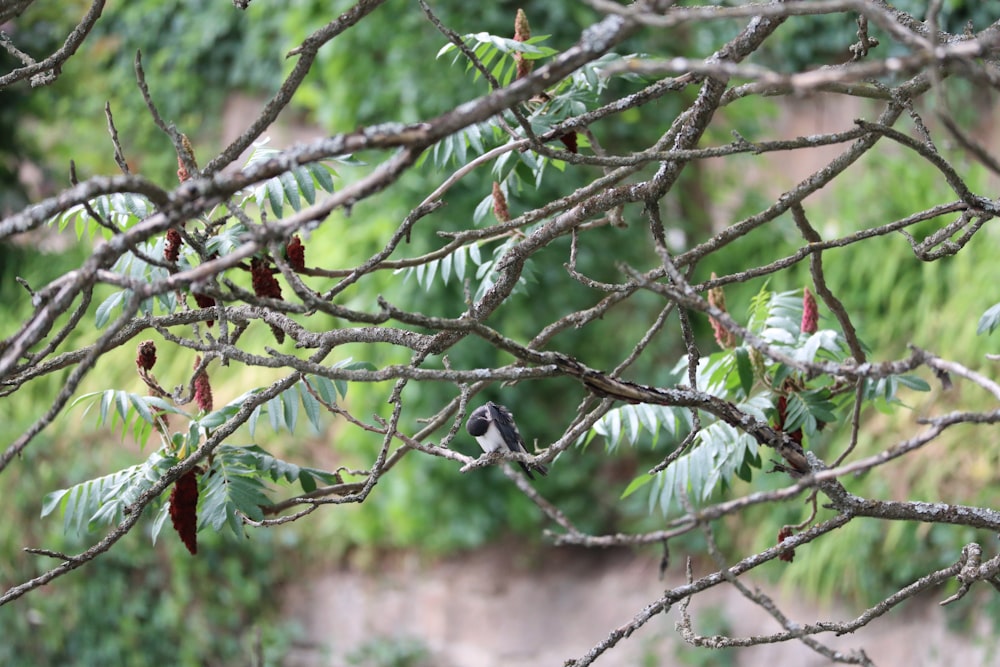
{"points": [[491, 440]]}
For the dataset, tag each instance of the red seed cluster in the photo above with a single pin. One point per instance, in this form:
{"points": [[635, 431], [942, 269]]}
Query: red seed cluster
{"points": [[146, 357], [295, 253], [500, 209], [182, 172], [569, 140], [723, 336], [810, 313], [783, 535], [202, 388], [172, 248], [184, 509], [264, 282], [522, 33], [204, 301]]}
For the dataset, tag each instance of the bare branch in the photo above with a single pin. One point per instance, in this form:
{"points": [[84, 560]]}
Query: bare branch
{"points": [[48, 70]]}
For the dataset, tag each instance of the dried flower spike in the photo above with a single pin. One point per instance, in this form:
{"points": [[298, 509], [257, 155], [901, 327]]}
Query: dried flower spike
{"points": [[723, 336], [522, 33], [266, 285], [204, 301], [295, 253], [500, 209], [783, 535], [182, 172], [202, 388], [264, 282], [146, 358], [184, 509], [810, 313], [172, 247], [569, 140]]}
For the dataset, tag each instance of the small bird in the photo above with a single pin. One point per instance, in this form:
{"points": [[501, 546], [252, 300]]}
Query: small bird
{"points": [[493, 427]]}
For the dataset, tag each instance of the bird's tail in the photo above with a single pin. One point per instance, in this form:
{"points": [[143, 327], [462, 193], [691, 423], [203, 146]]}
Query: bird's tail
{"points": [[537, 467]]}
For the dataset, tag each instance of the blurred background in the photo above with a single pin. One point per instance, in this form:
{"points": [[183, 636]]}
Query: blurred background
{"points": [[437, 567]]}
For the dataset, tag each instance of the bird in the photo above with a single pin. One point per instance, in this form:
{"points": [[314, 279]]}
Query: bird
{"points": [[492, 425]]}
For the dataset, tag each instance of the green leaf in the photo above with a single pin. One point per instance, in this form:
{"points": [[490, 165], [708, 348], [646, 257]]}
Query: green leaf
{"points": [[102, 500], [482, 210], [636, 484], [744, 472], [104, 309], [537, 51], [107, 399], [252, 420], [242, 489], [636, 420], [122, 408], [498, 71], [307, 481], [324, 387], [161, 518], [461, 149], [231, 488], [806, 409], [718, 454], [824, 339], [52, 501], [445, 49], [127, 407], [310, 405], [323, 176], [293, 185], [274, 196], [351, 365], [819, 405], [914, 382], [989, 321], [745, 370], [193, 436], [446, 268], [305, 185], [781, 373], [631, 423], [460, 262], [275, 412], [650, 421], [217, 418], [758, 307], [259, 460], [290, 188], [796, 412], [102, 206], [614, 426], [137, 206], [714, 374], [475, 136], [431, 272], [290, 405], [501, 170]]}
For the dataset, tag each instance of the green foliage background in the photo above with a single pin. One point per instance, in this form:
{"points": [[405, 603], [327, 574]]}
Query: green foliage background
{"points": [[162, 605]]}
